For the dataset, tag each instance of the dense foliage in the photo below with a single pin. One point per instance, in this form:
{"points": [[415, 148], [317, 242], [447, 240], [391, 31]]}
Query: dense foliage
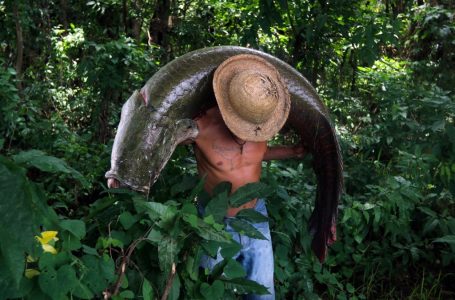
{"points": [[384, 69]]}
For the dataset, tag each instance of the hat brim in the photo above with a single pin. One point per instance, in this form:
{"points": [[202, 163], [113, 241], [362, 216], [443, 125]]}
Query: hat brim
{"points": [[242, 128]]}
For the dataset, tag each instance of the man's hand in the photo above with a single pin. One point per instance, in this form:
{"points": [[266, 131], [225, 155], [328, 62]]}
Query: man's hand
{"points": [[113, 183], [299, 151]]}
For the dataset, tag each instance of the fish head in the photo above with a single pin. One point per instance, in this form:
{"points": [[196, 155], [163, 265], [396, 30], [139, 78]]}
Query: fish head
{"points": [[144, 142]]}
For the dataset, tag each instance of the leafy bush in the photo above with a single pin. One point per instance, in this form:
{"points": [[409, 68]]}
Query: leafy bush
{"points": [[384, 69]]}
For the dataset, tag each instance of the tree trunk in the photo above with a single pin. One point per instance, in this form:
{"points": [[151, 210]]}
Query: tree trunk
{"points": [[160, 26], [63, 13], [125, 16], [19, 46]]}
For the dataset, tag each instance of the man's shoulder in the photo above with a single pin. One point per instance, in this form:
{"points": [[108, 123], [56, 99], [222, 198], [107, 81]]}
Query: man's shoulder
{"points": [[210, 119]]}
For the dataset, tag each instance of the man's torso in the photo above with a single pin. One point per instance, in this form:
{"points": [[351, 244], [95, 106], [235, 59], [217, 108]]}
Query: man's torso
{"points": [[223, 157]]}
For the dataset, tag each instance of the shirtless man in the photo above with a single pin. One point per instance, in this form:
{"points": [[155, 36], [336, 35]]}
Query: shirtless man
{"points": [[222, 156], [232, 143]]}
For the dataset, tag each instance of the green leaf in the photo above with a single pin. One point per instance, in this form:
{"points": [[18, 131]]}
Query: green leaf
{"points": [[23, 209], [189, 208], [223, 187], [204, 230], [121, 236], [167, 252], [46, 163], [127, 294], [234, 269], [175, 289], [217, 207], [245, 286], [450, 239], [155, 236], [211, 248], [147, 290], [156, 211], [82, 291], [350, 288], [54, 261], [245, 228], [193, 220], [193, 263], [76, 227], [214, 291], [185, 184], [230, 249], [57, 284], [198, 189], [70, 242], [8, 288], [98, 272], [89, 250], [127, 220], [48, 283], [248, 192], [252, 215]]}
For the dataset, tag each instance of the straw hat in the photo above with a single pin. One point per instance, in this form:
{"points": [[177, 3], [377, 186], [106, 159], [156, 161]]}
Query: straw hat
{"points": [[253, 99]]}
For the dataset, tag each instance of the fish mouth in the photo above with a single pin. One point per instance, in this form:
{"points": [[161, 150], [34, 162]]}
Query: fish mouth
{"points": [[125, 183]]}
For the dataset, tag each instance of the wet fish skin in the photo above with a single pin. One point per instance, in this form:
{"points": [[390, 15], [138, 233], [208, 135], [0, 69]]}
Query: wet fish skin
{"points": [[180, 90], [144, 143]]}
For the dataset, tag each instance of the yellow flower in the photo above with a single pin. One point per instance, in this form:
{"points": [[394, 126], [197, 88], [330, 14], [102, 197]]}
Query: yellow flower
{"points": [[46, 238], [30, 273], [49, 248]]}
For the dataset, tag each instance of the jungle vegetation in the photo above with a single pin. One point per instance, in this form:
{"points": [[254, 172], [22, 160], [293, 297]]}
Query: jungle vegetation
{"points": [[384, 68]]}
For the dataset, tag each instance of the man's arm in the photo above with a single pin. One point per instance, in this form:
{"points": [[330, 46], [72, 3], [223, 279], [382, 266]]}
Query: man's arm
{"points": [[284, 152]]}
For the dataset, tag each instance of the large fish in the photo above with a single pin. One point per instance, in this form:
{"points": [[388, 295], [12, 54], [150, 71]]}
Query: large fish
{"points": [[157, 118]]}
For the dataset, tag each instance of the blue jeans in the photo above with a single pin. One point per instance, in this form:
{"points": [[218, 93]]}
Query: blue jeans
{"points": [[256, 256]]}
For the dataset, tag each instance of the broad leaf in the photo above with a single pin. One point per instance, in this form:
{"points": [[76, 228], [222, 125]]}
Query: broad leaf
{"points": [[46, 163], [245, 286], [230, 249], [248, 192], [23, 209], [450, 239], [147, 290], [217, 207], [211, 248], [223, 187], [214, 291], [164, 214], [127, 220], [58, 283], [234, 269], [197, 189], [99, 272], [167, 252], [185, 184], [204, 230], [76, 227], [175, 289], [252, 215], [227, 250], [246, 228]]}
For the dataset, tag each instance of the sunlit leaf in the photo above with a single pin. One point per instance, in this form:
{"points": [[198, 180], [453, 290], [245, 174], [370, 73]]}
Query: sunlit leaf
{"points": [[30, 273]]}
